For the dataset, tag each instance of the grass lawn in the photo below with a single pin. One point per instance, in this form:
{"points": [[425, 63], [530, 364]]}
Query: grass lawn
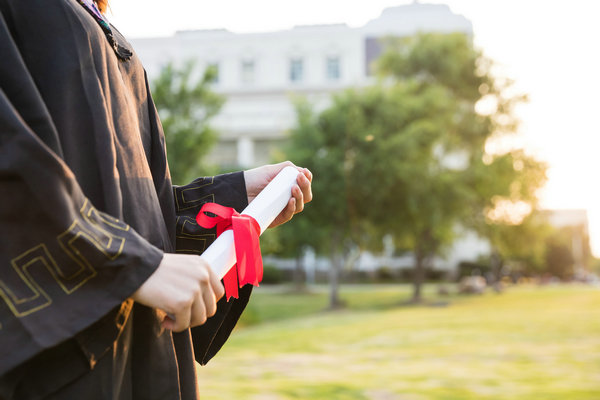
{"points": [[527, 343]]}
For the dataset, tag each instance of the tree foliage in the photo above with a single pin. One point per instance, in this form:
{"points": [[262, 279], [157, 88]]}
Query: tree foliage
{"points": [[185, 107], [407, 156]]}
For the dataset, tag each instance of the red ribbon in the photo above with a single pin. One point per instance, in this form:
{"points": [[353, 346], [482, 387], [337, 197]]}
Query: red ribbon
{"points": [[249, 267]]}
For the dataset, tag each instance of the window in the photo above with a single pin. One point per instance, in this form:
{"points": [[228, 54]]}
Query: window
{"points": [[296, 69], [248, 71], [333, 68]]}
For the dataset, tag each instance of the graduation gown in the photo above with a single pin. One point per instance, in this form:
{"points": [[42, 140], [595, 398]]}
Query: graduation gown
{"points": [[87, 211]]}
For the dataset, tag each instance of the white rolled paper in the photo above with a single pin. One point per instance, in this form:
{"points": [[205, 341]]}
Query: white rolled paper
{"points": [[265, 207]]}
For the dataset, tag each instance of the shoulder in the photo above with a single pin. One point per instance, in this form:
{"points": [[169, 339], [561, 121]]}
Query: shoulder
{"points": [[48, 26], [61, 37]]}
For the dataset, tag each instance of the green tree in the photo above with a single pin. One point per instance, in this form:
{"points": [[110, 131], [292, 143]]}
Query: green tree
{"points": [[452, 179], [407, 156], [516, 231], [518, 247], [327, 223], [185, 107], [291, 241]]}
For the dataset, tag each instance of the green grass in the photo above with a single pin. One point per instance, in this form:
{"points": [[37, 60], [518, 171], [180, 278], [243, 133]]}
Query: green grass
{"points": [[273, 303], [528, 343]]}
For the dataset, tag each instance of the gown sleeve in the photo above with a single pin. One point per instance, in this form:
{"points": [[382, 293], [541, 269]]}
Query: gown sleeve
{"points": [[63, 263], [228, 190]]}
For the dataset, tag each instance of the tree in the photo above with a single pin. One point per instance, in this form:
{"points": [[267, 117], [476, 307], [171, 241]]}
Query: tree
{"points": [[291, 241], [522, 246], [327, 221], [186, 107], [516, 231], [407, 156], [454, 180]]}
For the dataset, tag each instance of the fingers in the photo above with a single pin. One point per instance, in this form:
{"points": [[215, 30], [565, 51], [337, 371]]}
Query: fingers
{"points": [[183, 315], [290, 209], [185, 289], [203, 303], [273, 169], [284, 164], [216, 285], [285, 215], [257, 178], [306, 172], [203, 306], [298, 196], [212, 290], [304, 184], [168, 322], [301, 194], [209, 291]]}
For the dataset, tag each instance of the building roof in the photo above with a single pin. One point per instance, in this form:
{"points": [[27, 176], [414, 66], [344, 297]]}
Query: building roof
{"points": [[415, 17]]}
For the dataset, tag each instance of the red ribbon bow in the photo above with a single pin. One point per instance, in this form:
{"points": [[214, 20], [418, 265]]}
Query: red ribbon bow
{"points": [[249, 267]]}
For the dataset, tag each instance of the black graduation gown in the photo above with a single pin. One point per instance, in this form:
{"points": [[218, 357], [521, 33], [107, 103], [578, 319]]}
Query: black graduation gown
{"points": [[87, 210]]}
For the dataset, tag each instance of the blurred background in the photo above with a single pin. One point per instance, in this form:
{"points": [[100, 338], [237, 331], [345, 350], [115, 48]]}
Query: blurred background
{"points": [[451, 248]]}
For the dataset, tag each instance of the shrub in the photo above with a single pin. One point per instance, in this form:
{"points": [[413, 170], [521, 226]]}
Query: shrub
{"points": [[272, 275]]}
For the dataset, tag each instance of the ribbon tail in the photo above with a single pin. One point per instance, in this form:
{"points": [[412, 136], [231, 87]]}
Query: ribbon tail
{"points": [[259, 262], [256, 253], [256, 261], [247, 248], [230, 281]]}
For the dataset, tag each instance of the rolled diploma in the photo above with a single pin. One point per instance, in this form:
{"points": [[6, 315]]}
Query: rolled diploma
{"points": [[220, 255]]}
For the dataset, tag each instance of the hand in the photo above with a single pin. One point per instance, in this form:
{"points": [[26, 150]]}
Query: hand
{"points": [[183, 286], [258, 178]]}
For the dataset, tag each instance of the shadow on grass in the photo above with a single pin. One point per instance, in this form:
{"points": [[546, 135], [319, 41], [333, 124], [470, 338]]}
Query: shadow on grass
{"points": [[286, 302]]}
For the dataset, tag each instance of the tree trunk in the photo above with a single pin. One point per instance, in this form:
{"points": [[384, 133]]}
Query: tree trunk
{"points": [[496, 271], [419, 276], [334, 272], [299, 280]]}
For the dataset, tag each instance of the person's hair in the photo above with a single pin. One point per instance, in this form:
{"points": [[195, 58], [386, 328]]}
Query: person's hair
{"points": [[102, 5]]}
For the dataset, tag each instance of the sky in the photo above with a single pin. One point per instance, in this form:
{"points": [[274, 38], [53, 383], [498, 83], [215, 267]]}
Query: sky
{"points": [[550, 48]]}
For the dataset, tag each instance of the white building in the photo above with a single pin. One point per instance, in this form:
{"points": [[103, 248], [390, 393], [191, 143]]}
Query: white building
{"points": [[259, 73]]}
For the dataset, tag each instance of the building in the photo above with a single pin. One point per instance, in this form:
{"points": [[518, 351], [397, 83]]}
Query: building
{"points": [[575, 222], [260, 73]]}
